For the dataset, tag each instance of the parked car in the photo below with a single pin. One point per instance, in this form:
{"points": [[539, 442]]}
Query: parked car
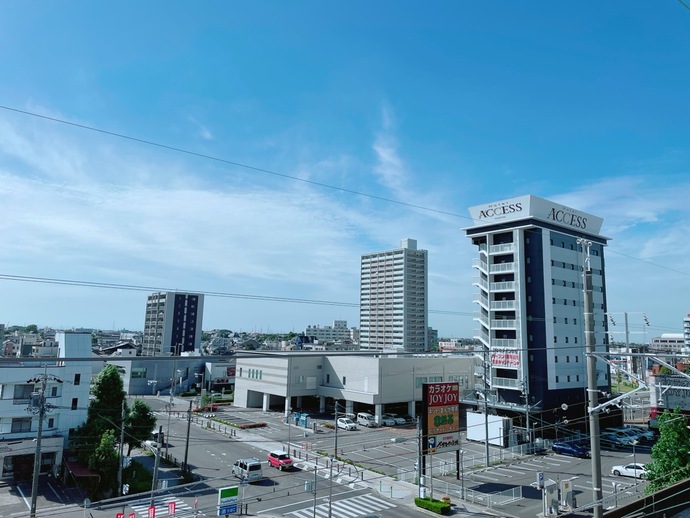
{"points": [[573, 449], [346, 423], [612, 440], [633, 434], [367, 420], [395, 417], [630, 470], [643, 431], [387, 421], [626, 438], [409, 419], [280, 459]]}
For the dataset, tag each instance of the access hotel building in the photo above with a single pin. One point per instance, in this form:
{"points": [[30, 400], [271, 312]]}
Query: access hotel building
{"points": [[530, 316]]}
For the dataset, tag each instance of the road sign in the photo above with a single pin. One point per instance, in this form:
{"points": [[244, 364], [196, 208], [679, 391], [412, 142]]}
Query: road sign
{"points": [[152, 512], [171, 508], [120, 515], [132, 515], [227, 500], [540, 479]]}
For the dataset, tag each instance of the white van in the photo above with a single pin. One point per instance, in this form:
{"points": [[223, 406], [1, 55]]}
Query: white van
{"points": [[367, 420], [249, 469]]}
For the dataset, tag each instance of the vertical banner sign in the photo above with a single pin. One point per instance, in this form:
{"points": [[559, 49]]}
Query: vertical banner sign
{"points": [[227, 500], [132, 515], [171, 508], [152, 512], [120, 515], [441, 425]]}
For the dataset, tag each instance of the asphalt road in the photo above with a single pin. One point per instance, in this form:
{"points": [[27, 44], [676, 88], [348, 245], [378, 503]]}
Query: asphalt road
{"points": [[346, 489]]}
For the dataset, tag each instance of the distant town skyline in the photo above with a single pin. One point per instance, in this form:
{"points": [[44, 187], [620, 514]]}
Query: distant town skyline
{"points": [[254, 152]]}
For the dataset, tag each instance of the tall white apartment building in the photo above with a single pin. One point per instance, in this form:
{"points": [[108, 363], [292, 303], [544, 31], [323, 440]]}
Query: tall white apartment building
{"points": [[393, 301], [173, 323], [529, 282], [686, 330]]}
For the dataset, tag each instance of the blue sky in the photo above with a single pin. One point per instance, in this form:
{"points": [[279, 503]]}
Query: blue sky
{"points": [[426, 108]]}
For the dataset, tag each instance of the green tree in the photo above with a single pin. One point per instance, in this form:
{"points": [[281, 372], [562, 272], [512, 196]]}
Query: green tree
{"points": [[106, 461], [671, 453], [104, 412], [140, 424], [31, 328]]}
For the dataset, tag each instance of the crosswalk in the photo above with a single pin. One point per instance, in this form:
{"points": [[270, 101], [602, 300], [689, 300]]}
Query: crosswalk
{"points": [[165, 504], [346, 508]]}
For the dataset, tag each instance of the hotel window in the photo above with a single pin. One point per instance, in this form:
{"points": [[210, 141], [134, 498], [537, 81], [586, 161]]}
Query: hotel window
{"points": [[75, 402], [567, 359], [566, 320], [77, 378], [556, 379], [344, 381], [328, 379], [575, 339], [566, 339]]}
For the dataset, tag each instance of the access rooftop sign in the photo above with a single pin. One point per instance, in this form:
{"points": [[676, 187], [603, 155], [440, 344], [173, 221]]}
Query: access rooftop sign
{"points": [[530, 206]]}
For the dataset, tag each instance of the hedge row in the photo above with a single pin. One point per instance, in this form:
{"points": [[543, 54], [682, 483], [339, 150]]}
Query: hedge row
{"points": [[437, 506]]}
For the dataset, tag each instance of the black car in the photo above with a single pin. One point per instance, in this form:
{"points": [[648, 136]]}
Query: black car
{"points": [[572, 449]]}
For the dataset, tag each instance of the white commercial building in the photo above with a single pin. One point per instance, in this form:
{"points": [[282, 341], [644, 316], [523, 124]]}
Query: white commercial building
{"points": [[530, 308], [66, 384], [393, 300], [358, 381]]}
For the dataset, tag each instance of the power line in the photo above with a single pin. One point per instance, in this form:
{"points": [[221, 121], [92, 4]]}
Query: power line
{"points": [[230, 162], [220, 294]]}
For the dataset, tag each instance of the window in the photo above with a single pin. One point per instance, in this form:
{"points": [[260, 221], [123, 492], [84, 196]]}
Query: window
{"points": [[568, 378], [51, 422], [77, 378], [556, 359], [137, 372], [328, 379], [75, 402], [344, 381], [575, 339], [575, 321], [577, 358], [577, 378], [53, 392], [22, 394], [21, 424], [556, 379], [567, 359], [566, 339], [566, 320], [554, 320], [555, 339]]}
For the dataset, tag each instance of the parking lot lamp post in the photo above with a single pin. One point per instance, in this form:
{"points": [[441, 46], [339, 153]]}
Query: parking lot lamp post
{"points": [[634, 443]]}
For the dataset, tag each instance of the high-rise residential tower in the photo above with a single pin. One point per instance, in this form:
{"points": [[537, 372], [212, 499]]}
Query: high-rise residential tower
{"points": [[173, 323], [530, 317], [393, 312]]}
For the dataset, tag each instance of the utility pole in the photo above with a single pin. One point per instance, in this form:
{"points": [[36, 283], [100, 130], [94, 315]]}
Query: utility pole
{"points": [[122, 441], [154, 482], [592, 388], [189, 426], [39, 406]]}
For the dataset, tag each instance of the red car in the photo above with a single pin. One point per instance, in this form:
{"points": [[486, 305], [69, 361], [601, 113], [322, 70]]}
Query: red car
{"points": [[280, 460]]}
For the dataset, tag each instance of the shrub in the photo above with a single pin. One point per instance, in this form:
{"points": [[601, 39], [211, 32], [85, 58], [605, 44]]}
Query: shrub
{"points": [[436, 506]]}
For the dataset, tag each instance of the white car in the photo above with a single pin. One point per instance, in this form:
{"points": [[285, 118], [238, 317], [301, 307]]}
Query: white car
{"points": [[630, 470], [387, 421], [346, 423], [398, 420]]}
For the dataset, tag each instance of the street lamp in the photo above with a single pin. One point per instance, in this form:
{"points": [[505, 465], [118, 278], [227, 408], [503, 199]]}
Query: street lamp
{"points": [[153, 384]]}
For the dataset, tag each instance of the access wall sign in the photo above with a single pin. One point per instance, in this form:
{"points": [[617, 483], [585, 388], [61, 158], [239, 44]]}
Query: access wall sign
{"points": [[441, 424]]}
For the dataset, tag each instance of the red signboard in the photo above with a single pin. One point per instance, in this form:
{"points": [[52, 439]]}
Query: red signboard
{"points": [[120, 515], [132, 515], [152, 512], [441, 422], [171, 508]]}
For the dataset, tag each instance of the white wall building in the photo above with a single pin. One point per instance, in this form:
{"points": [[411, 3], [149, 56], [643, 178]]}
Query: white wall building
{"points": [[337, 332], [393, 299], [529, 281], [360, 382], [67, 385]]}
